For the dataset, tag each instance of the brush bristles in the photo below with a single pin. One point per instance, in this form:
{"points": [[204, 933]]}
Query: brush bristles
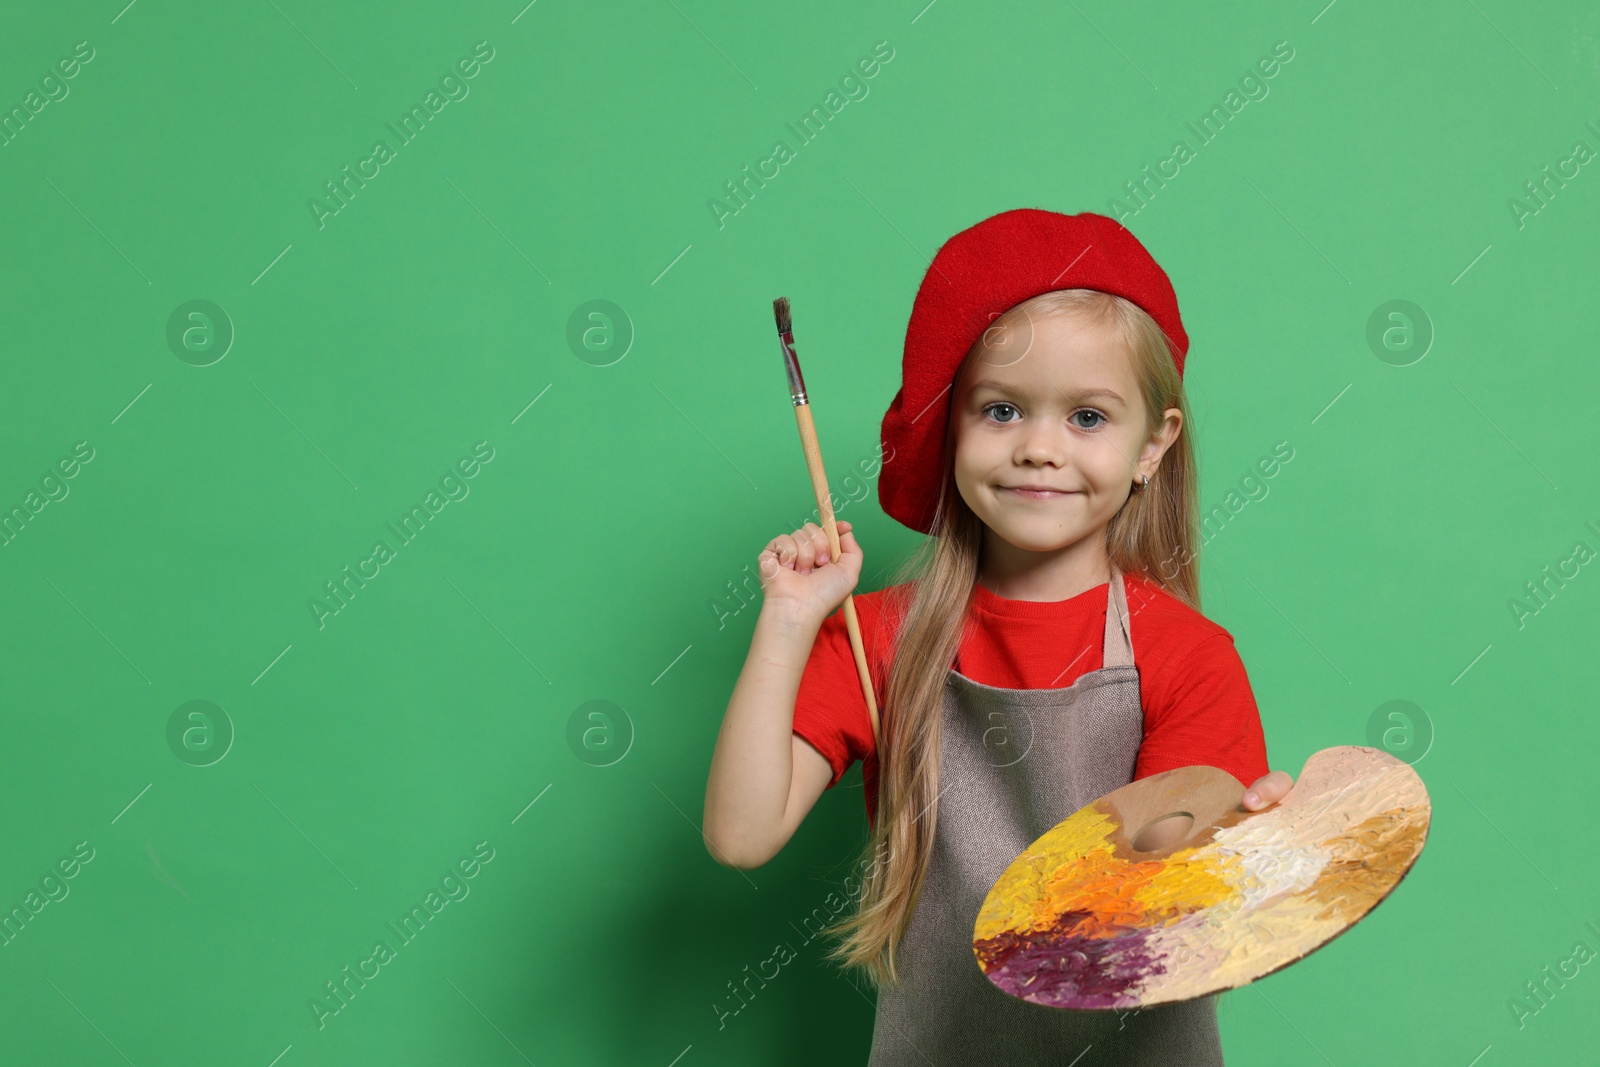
{"points": [[780, 312]]}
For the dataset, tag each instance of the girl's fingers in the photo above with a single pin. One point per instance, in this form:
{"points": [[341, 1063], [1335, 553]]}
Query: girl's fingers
{"points": [[783, 550], [819, 546], [1268, 790], [824, 553], [806, 548]]}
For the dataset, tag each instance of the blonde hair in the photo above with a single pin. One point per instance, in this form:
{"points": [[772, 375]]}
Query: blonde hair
{"points": [[1154, 535]]}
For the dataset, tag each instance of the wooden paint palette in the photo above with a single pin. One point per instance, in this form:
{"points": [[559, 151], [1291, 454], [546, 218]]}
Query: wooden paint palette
{"points": [[1167, 889]]}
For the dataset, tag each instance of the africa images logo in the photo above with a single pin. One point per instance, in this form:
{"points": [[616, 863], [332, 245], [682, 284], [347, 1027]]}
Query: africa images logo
{"points": [[453, 84], [339, 991], [341, 590], [853, 85]]}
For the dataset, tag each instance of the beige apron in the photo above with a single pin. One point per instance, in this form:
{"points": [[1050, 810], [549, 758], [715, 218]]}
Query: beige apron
{"points": [[1012, 764]]}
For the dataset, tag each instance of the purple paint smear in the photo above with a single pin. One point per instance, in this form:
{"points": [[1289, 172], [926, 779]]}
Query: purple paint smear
{"points": [[1061, 969]]}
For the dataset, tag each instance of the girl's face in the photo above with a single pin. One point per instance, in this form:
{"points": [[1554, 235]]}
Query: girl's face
{"points": [[1052, 406]]}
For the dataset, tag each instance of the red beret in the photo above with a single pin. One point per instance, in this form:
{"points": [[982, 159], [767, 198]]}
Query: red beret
{"points": [[978, 274]]}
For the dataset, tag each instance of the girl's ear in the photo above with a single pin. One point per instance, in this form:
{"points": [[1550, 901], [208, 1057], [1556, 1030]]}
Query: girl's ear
{"points": [[1161, 438]]}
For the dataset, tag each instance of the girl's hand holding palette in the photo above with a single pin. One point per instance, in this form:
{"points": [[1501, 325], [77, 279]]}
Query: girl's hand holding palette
{"points": [[1167, 889]]}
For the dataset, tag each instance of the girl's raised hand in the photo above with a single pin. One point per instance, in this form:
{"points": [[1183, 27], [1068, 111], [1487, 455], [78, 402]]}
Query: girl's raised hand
{"points": [[796, 573]]}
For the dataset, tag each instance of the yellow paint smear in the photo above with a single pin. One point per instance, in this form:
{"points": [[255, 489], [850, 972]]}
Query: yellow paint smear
{"points": [[1074, 869]]}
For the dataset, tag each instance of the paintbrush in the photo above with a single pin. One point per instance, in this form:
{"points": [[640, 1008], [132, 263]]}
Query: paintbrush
{"points": [[819, 486]]}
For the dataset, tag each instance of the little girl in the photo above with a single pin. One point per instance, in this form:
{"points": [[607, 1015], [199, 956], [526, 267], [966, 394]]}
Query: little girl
{"points": [[1039, 437]]}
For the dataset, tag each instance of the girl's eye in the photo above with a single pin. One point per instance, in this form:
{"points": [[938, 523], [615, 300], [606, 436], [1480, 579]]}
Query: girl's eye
{"points": [[991, 410]]}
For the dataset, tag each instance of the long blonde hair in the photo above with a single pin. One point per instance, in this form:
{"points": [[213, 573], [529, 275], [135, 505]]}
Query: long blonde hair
{"points": [[1154, 535]]}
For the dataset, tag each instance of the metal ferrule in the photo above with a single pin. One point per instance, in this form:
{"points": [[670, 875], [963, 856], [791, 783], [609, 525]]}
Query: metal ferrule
{"points": [[791, 363]]}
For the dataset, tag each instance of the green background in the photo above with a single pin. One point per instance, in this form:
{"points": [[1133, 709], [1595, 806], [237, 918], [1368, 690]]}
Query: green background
{"points": [[592, 557]]}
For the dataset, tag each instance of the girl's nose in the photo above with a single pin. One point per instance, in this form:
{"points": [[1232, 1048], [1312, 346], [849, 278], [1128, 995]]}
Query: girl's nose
{"points": [[1043, 444]]}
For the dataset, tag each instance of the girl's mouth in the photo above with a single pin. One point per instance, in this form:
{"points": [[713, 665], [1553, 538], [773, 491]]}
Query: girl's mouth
{"points": [[1037, 494]]}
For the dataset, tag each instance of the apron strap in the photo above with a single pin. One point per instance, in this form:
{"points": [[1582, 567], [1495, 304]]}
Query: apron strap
{"points": [[1118, 647]]}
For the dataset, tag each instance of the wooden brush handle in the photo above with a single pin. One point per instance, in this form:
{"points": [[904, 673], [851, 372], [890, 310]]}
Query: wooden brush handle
{"points": [[819, 486]]}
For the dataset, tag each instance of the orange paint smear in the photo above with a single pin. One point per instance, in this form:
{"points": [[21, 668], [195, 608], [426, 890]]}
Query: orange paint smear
{"points": [[1107, 896]]}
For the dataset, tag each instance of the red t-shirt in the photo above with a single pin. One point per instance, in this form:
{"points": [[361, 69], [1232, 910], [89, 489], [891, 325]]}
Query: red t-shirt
{"points": [[1198, 707]]}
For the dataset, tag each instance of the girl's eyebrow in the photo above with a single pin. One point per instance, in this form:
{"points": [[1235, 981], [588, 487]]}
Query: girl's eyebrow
{"points": [[1071, 395]]}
